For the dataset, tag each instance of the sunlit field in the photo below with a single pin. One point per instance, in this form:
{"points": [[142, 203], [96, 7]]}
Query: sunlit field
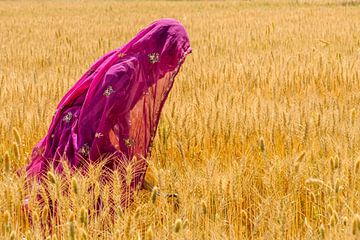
{"points": [[260, 135]]}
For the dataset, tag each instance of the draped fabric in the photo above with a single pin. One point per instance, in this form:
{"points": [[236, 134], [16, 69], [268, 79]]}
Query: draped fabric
{"points": [[112, 111]]}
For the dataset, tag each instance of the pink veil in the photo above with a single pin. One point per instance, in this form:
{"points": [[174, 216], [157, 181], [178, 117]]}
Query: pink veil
{"points": [[113, 110]]}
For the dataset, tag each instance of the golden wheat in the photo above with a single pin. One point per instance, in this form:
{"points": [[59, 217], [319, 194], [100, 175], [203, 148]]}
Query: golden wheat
{"points": [[259, 137]]}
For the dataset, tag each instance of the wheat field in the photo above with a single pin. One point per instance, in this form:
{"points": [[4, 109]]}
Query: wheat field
{"points": [[259, 136]]}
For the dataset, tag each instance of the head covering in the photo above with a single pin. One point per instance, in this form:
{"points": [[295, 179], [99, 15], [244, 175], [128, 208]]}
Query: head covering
{"points": [[113, 110]]}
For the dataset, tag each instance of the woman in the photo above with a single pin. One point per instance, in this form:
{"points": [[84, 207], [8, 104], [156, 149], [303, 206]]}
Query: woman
{"points": [[113, 110]]}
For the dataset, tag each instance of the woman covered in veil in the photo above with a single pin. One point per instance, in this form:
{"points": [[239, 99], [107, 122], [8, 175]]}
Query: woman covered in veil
{"points": [[113, 110]]}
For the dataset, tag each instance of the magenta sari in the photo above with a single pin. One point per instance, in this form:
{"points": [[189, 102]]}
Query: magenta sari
{"points": [[113, 110]]}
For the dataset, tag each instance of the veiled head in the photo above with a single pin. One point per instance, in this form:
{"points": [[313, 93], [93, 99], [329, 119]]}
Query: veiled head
{"points": [[164, 43]]}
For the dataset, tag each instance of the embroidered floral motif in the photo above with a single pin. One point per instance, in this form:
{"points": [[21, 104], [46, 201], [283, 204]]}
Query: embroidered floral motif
{"points": [[108, 91], [129, 142], [84, 150], [153, 57], [67, 117], [98, 135]]}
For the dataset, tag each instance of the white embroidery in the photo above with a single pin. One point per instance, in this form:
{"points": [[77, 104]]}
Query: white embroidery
{"points": [[108, 91], [84, 150], [98, 135], [153, 57], [67, 117]]}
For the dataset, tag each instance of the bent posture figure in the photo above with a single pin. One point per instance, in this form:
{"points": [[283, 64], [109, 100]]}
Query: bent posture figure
{"points": [[113, 110]]}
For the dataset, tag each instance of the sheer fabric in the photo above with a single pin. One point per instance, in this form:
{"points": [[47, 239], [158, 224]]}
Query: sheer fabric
{"points": [[113, 110]]}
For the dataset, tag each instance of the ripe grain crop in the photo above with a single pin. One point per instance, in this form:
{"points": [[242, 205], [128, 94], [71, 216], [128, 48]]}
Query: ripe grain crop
{"points": [[259, 137]]}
